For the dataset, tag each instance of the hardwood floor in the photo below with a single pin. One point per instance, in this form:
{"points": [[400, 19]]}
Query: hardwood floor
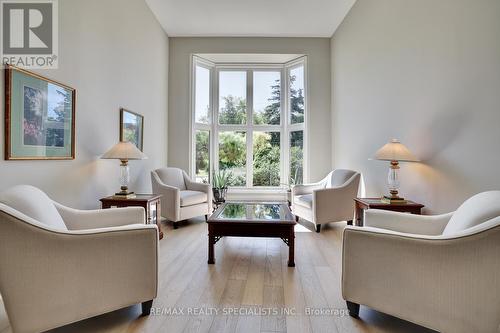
{"points": [[249, 274]]}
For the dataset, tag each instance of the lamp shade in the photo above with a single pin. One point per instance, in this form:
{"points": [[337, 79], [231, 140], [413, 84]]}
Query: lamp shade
{"points": [[395, 151], [124, 151]]}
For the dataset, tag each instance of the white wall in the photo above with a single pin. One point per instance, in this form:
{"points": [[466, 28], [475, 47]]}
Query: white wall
{"points": [[115, 54], [426, 72], [318, 52]]}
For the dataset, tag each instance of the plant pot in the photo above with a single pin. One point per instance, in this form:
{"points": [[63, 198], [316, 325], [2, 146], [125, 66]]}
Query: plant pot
{"points": [[219, 195]]}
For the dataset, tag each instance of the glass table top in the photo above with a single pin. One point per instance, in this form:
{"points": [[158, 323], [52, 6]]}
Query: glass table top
{"points": [[254, 212]]}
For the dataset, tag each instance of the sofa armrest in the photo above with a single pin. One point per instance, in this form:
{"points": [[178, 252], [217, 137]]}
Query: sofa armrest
{"points": [[170, 200], [407, 223], [76, 219], [449, 279], [334, 204], [307, 188], [75, 274], [200, 187]]}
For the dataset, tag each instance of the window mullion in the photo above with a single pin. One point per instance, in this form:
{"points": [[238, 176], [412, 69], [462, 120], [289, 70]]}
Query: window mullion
{"points": [[235, 128], [215, 120], [285, 147], [249, 128], [200, 126], [267, 128]]}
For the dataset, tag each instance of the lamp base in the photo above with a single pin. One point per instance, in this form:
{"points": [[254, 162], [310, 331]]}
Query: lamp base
{"points": [[125, 194], [393, 200]]}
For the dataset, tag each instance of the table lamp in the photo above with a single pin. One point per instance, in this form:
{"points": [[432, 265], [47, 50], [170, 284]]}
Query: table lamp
{"points": [[124, 151], [394, 152]]}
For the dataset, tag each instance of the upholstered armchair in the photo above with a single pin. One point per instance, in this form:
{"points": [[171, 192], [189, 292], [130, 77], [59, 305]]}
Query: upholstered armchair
{"points": [[442, 272], [4, 321], [182, 198], [330, 200], [60, 265]]}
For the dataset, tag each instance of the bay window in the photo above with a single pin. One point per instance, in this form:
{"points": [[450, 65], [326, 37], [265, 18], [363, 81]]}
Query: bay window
{"points": [[249, 120]]}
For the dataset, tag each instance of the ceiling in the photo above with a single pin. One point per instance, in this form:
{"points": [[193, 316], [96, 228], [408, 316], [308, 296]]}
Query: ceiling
{"points": [[250, 18]]}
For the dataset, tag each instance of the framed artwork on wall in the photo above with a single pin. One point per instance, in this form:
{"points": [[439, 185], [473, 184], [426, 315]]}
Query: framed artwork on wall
{"points": [[39, 117], [132, 128]]}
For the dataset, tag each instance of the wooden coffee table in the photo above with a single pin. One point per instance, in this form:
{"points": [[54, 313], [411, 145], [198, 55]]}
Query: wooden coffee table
{"points": [[251, 219]]}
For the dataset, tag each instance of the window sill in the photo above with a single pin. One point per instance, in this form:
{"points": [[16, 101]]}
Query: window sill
{"points": [[258, 194]]}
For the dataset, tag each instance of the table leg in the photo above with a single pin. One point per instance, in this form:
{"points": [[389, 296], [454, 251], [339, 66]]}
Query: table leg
{"points": [[211, 244], [358, 216], [291, 248], [158, 219]]}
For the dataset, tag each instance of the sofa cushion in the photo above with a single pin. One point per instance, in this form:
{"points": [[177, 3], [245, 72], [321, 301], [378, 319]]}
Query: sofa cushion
{"points": [[172, 177], [189, 198], [476, 210], [304, 200], [34, 203]]}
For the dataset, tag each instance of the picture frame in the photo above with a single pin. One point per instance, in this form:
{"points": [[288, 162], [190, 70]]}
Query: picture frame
{"points": [[132, 128], [39, 117]]}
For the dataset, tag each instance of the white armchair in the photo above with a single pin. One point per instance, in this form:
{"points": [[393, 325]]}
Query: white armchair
{"points": [[182, 198], [442, 272], [330, 200], [60, 265]]}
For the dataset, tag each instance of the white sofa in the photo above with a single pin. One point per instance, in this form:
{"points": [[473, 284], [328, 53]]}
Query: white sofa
{"points": [[329, 200], [60, 265], [4, 321], [182, 198], [442, 272]]}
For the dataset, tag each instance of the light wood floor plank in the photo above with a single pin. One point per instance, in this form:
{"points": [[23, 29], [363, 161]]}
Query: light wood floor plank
{"points": [[254, 288], [294, 299], [272, 274], [274, 301]]}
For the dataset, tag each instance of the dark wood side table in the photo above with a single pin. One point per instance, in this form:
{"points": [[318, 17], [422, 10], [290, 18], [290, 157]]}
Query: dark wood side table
{"points": [[150, 202], [375, 203]]}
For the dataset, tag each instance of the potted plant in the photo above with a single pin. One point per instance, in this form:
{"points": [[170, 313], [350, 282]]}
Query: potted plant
{"points": [[221, 180]]}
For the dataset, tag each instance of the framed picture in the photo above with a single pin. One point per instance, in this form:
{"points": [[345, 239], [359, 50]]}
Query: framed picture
{"points": [[39, 117], [132, 128]]}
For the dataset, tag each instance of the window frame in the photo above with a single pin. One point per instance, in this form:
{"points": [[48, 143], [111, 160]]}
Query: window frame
{"points": [[284, 128], [195, 126], [289, 66]]}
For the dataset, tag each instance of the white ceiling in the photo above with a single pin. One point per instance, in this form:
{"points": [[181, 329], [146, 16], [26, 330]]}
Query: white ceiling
{"points": [[259, 18]]}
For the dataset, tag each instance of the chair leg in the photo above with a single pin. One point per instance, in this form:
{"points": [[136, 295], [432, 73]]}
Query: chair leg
{"points": [[318, 228], [146, 307], [175, 224], [206, 218], [353, 309]]}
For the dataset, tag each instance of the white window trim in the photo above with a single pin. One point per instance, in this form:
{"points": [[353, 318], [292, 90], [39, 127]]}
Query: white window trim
{"points": [[285, 127], [302, 126], [197, 61]]}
